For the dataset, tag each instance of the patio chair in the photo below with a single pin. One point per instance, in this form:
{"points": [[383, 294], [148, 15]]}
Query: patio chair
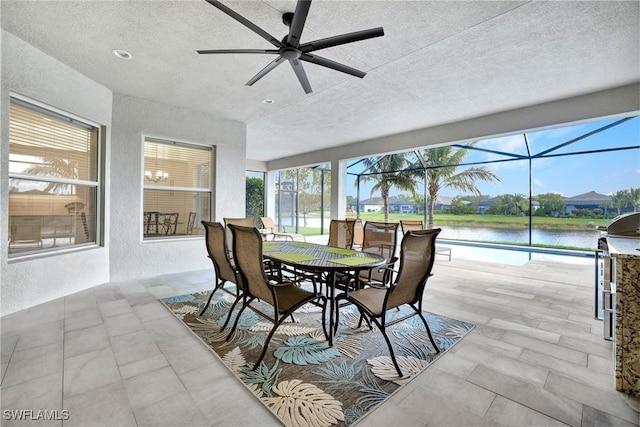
{"points": [[416, 262], [26, 230], [270, 225], [285, 298], [411, 224], [358, 233], [216, 248], [168, 222], [150, 222], [341, 233], [380, 238], [245, 222], [191, 223]]}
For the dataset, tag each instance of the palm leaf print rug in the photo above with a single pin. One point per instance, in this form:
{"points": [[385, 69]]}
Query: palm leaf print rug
{"points": [[302, 380]]}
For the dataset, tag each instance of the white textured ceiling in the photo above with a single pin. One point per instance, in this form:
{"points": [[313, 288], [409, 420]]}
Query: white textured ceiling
{"points": [[438, 62]]}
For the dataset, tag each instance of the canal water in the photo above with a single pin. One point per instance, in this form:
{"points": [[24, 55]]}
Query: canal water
{"points": [[584, 239]]}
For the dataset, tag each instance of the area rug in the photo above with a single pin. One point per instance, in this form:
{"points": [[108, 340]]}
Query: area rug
{"points": [[302, 380]]}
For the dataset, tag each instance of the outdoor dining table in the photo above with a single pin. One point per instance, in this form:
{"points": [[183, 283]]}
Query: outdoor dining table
{"points": [[317, 258]]}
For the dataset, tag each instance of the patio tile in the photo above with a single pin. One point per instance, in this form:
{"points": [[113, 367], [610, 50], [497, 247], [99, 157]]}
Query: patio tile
{"points": [[177, 410], [81, 319], [85, 340], [466, 395], [612, 402], [507, 412], [122, 324], [151, 311], [562, 353], [537, 398], [152, 387], [32, 363], [39, 393], [114, 308], [105, 406], [87, 371], [44, 334], [151, 363], [594, 418], [175, 350], [133, 347], [8, 345]]}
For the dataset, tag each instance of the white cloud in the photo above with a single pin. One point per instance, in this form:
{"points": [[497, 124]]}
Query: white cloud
{"points": [[537, 182], [513, 144]]}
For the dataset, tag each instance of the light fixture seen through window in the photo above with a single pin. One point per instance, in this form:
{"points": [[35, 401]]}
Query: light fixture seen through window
{"points": [[158, 176]]}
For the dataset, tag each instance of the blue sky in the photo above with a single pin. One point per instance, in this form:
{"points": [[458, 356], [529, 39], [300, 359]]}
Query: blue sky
{"points": [[603, 173]]}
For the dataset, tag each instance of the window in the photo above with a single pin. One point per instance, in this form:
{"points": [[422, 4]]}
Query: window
{"points": [[177, 188], [54, 183], [255, 195], [303, 199]]}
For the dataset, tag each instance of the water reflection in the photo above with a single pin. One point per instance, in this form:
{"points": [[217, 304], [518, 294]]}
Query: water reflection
{"points": [[584, 239]]}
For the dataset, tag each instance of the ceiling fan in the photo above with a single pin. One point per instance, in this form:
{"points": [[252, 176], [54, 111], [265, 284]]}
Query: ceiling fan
{"points": [[290, 49]]}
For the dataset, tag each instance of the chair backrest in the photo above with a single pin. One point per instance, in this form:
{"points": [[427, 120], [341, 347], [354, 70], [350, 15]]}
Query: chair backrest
{"points": [[341, 233], [191, 223], [26, 229], [245, 222], [411, 225], [216, 247], [380, 238], [417, 253], [150, 222], [358, 232], [269, 224], [168, 222], [247, 252]]}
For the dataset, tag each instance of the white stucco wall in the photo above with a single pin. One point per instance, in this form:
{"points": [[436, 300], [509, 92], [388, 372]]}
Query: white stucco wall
{"points": [[133, 119], [27, 71], [27, 282]]}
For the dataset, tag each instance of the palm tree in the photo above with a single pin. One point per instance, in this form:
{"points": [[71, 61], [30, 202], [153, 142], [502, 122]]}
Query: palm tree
{"points": [[439, 177], [620, 199], [387, 172], [634, 198], [521, 203], [55, 167]]}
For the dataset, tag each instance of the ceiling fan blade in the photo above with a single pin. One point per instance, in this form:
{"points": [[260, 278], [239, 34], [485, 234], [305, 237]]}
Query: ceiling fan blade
{"points": [[302, 76], [206, 52], [342, 39], [273, 64], [332, 64], [297, 24], [244, 21]]}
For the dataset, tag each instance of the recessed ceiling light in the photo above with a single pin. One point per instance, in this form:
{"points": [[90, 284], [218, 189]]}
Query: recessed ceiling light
{"points": [[122, 54], [268, 101]]}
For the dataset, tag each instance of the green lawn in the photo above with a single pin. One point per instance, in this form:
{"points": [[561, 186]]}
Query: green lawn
{"points": [[495, 221], [489, 221]]}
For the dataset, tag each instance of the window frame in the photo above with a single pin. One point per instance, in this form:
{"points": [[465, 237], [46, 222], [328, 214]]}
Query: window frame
{"points": [[145, 186], [97, 185]]}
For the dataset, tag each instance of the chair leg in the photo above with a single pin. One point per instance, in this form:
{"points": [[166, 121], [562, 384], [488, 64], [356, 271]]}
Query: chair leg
{"points": [[324, 312], [393, 356], [426, 325], [267, 340], [245, 304], [218, 286], [230, 311]]}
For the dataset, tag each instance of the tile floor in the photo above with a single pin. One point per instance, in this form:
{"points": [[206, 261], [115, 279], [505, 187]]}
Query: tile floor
{"points": [[114, 356]]}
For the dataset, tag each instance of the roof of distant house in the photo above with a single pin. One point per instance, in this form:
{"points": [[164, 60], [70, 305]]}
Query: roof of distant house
{"points": [[591, 196]]}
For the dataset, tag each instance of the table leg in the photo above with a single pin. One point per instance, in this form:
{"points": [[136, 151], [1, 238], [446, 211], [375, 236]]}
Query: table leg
{"points": [[331, 289]]}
